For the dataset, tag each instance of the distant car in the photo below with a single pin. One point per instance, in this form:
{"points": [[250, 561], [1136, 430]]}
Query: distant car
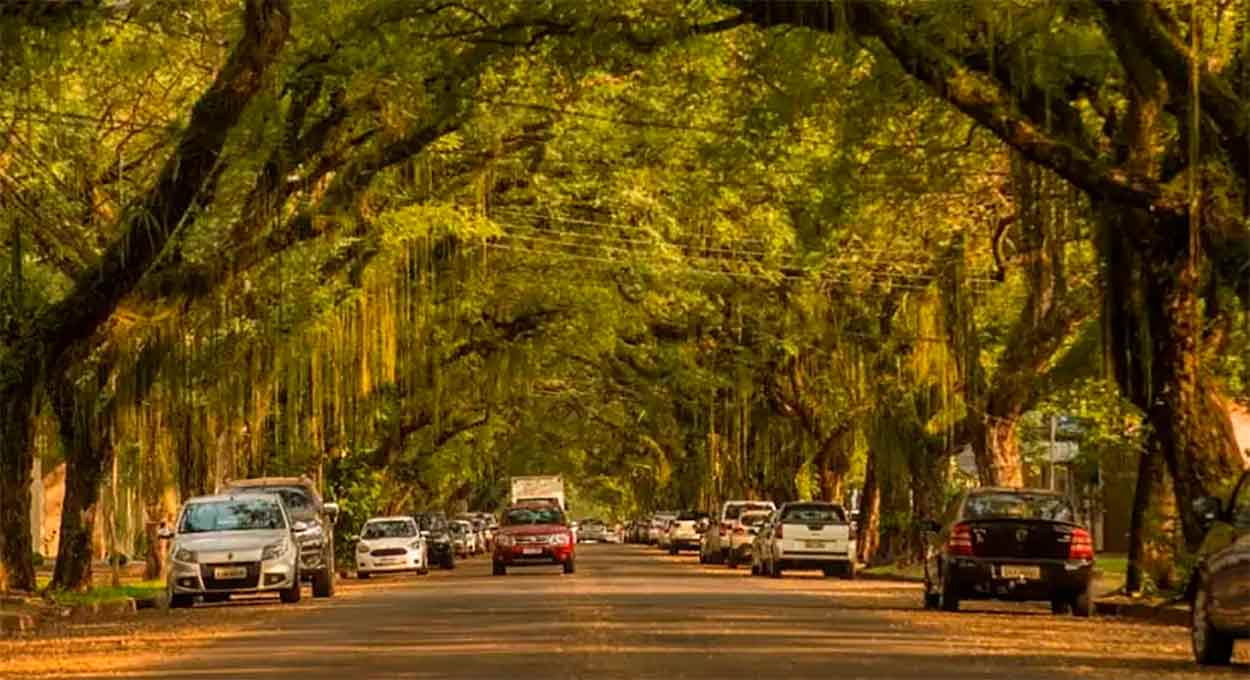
{"points": [[806, 535], [1221, 585], [1009, 544], [463, 537], [232, 544], [742, 539], [313, 520], [685, 529], [592, 531], [534, 534], [658, 525], [391, 544], [714, 548], [437, 535]]}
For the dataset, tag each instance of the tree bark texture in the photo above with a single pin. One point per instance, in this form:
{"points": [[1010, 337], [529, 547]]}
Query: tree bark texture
{"points": [[16, 461], [83, 417]]}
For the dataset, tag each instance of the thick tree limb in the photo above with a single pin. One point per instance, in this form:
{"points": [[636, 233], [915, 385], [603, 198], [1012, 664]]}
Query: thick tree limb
{"points": [[152, 222], [979, 97]]}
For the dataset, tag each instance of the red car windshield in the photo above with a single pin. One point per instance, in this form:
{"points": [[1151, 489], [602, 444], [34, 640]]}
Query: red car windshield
{"points": [[522, 516]]}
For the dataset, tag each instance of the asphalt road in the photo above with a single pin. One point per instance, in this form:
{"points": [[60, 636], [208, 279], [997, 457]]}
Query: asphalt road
{"points": [[632, 612]]}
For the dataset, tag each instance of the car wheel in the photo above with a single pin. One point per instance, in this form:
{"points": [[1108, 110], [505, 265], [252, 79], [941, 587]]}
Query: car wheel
{"points": [[827, 571], [423, 571], [731, 560], [1083, 604], [848, 572], [1211, 647], [950, 597], [291, 595], [1060, 606], [363, 575], [931, 600], [498, 569], [755, 568], [672, 549], [774, 569], [323, 583], [569, 567], [449, 562], [178, 601]]}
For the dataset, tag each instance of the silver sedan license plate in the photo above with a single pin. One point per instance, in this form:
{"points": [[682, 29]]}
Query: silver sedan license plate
{"points": [[1030, 573], [229, 573]]}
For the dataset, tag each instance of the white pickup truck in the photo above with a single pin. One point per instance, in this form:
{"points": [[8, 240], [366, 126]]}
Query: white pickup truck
{"points": [[808, 535]]}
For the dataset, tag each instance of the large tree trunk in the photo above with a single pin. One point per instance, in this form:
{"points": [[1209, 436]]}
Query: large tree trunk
{"points": [[1149, 472], [1189, 422], [86, 435], [930, 472], [16, 460], [869, 514]]}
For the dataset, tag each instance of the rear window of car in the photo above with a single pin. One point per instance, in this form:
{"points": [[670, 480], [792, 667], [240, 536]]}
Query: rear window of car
{"points": [[814, 513], [734, 511], [389, 529], [1007, 505], [517, 516], [751, 519]]}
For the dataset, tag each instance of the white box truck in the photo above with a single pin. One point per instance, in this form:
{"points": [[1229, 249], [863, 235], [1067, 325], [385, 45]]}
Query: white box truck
{"points": [[538, 487]]}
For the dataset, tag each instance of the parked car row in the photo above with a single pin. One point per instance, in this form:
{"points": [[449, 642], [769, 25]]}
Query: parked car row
{"points": [[272, 534]]}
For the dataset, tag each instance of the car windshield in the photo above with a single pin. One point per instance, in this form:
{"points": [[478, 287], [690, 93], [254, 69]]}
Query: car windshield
{"points": [[537, 515], [252, 514], [1004, 505], [751, 519], [389, 529], [814, 512]]}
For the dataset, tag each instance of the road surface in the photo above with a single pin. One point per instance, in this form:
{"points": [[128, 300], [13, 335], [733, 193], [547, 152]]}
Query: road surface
{"points": [[629, 612]]}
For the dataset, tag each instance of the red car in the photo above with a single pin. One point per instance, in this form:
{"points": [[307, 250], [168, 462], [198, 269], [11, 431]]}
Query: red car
{"points": [[533, 534]]}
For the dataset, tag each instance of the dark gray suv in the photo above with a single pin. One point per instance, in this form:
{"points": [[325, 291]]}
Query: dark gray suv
{"points": [[313, 524]]}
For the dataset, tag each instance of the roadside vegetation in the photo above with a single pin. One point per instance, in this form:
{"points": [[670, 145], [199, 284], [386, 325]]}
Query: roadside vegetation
{"points": [[676, 252]]}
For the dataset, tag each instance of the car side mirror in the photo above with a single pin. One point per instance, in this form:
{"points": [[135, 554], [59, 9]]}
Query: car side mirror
{"points": [[165, 533], [299, 526], [1208, 509], [331, 509], [353, 538], [930, 526]]}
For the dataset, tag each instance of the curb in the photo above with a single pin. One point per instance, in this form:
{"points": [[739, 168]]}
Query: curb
{"points": [[1166, 614], [13, 623], [865, 576]]}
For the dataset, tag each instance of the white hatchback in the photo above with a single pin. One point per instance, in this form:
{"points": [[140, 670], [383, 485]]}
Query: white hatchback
{"points": [[807, 535], [391, 544]]}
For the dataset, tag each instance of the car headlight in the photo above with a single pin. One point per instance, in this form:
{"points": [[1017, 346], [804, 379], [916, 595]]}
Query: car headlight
{"points": [[505, 540], [415, 545], [558, 539], [184, 555], [362, 547], [273, 552]]}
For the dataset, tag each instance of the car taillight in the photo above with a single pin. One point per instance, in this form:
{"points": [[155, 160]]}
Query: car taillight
{"points": [[780, 533], [1082, 545], [960, 542]]}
